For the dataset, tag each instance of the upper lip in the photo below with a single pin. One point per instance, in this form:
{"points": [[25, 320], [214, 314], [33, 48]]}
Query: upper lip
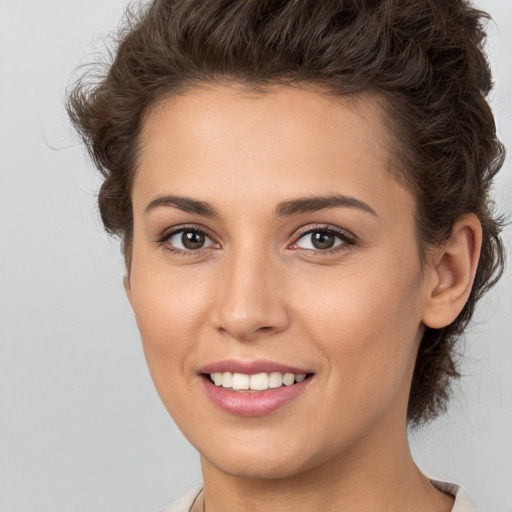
{"points": [[250, 367]]}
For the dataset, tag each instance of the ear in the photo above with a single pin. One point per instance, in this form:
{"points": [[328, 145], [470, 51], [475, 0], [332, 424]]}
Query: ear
{"points": [[452, 270], [128, 289]]}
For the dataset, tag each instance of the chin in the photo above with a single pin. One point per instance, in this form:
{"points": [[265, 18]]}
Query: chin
{"points": [[257, 469], [260, 462]]}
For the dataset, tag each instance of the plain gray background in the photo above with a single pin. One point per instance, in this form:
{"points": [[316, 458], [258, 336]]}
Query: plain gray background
{"points": [[81, 427]]}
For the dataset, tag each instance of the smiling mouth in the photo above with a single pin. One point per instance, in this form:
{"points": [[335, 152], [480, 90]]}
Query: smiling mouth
{"points": [[255, 382]]}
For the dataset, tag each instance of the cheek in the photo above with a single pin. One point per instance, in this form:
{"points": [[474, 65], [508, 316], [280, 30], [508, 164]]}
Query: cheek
{"points": [[367, 323], [169, 310]]}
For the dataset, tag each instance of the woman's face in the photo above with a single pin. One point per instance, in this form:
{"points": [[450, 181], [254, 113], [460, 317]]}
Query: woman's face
{"points": [[270, 238]]}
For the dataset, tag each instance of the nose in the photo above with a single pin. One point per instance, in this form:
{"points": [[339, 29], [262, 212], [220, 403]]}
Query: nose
{"points": [[250, 303]]}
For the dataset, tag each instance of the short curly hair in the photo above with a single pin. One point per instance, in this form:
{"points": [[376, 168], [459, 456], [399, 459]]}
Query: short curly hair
{"points": [[424, 58]]}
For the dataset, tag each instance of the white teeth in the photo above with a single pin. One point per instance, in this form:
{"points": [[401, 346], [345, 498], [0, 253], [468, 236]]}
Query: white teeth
{"points": [[256, 382], [240, 381], [288, 379], [275, 380], [227, 380]]}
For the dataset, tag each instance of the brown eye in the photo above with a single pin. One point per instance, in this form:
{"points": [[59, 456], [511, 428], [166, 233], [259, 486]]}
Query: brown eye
{"points": [[322, 240], [186, 240], [192, 240]]}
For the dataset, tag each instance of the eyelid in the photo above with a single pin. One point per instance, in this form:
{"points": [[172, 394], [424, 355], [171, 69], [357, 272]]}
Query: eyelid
{"points": [[347, 238], [170, 232]]}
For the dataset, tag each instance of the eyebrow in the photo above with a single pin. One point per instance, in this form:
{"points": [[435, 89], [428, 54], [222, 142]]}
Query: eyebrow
{"points": [[316, 203], [185, 204], [284, 209]]}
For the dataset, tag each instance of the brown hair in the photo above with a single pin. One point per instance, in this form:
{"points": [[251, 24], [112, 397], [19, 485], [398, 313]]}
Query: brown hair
{"points": [[423, 57]]}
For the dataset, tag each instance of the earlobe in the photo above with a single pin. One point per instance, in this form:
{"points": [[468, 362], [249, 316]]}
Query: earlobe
{"points": [[128, 289], [453, 270]]}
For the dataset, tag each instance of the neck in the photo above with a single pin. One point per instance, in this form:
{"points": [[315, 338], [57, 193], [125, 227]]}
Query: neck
{"points": [[378, 475]]}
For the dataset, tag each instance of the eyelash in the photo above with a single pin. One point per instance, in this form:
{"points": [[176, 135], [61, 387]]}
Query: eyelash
{"points": [[182, 229], [347, 240]]}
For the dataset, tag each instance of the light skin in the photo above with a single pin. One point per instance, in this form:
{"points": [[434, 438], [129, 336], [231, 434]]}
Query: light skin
{"points": [[258, 287]]}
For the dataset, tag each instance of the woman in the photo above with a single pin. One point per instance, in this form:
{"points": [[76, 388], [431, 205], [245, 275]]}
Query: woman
{"points": [[301, 190]]}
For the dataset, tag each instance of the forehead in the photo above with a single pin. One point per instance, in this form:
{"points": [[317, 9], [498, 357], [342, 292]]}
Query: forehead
{"points": [[225, 142], [236, 111]]}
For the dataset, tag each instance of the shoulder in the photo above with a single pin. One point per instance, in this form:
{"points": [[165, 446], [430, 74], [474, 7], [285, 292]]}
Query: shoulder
{"points": [[184, 503], [462, 501]]}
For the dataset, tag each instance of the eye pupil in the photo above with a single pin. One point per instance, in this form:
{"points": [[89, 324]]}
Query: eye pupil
{"points": [[322, 240], [192, 239]]}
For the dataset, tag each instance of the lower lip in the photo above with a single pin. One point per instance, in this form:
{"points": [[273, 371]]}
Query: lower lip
{"points": [[252, 403]]}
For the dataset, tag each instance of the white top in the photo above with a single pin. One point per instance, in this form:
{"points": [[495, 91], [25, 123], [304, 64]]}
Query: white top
{"points": [[462, 502]]}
